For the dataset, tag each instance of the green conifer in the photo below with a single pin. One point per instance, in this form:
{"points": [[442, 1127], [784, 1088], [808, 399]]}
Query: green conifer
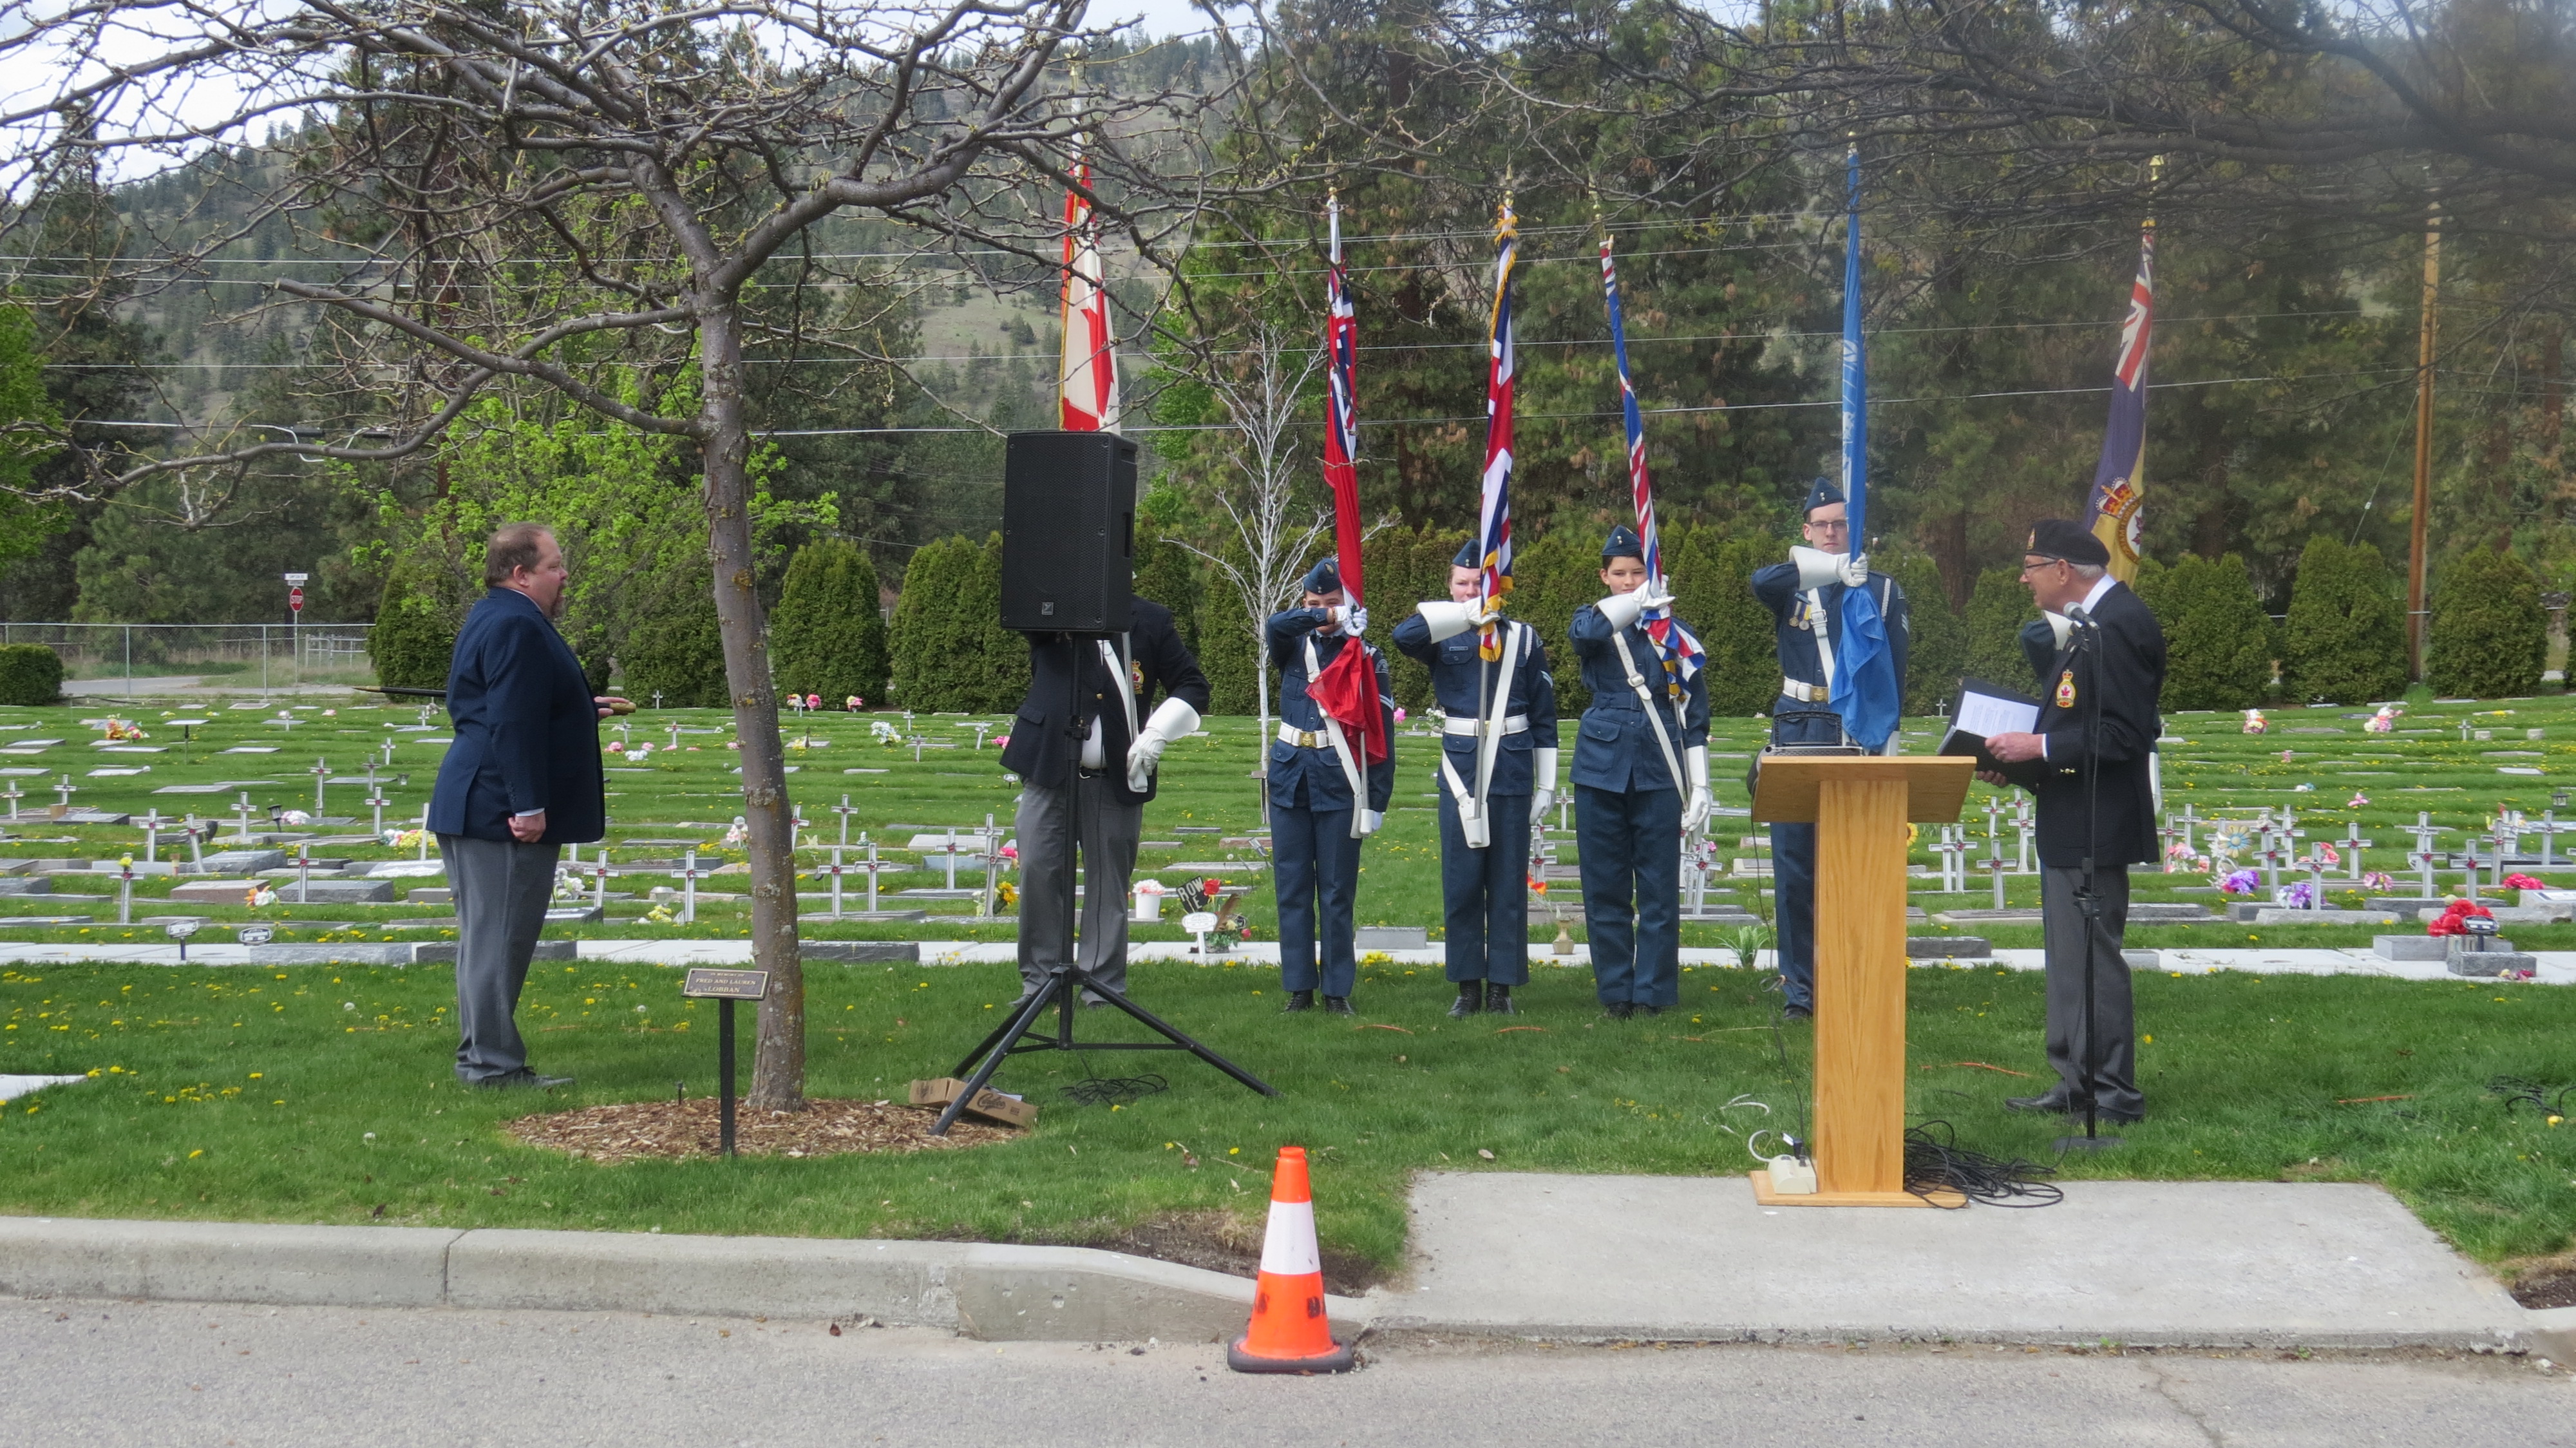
{"points": [[2345, 641], [2489, 635], [2218, 642]]}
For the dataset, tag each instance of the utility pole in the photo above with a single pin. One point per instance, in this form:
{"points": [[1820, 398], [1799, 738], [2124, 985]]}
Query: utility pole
{"points": [[2427, 331]]}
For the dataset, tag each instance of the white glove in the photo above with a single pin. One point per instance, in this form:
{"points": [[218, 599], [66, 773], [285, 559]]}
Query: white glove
{"points": [[1446, 619], [1654, 597], [1354, 621], [1543, 771], [1174, 719], [1621, 609], [1368, 823], [1815, 569], [1856, 572], [1695, 764]]}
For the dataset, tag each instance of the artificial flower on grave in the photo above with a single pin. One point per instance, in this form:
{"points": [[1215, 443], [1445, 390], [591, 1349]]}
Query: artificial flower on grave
{"points": [[2358, 801], [2451, 921], [258, 895], [2300, 896], [2378, 880], [295, 817], [616, 746], [1011, 852], [2254, 723], [1399, 716], [2302, 788], [119, 729], [2520, 881], [2383, 722], [854, 703], [2325, 853], [2242, 882], [1004, 742], [1007, 893], [813, 701], [2178, 857], [738, 836], [885, 733], [2285, 757]]}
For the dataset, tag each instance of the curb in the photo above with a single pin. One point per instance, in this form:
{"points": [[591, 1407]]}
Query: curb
{"points": [[995, 1292]]}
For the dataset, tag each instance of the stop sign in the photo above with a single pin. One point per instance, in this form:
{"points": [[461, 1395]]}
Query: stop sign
{"points": [[295, 599]]}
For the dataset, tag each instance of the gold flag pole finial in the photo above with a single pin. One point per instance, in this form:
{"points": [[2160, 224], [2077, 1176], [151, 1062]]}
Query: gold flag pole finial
{"points": [[2155, 182]]}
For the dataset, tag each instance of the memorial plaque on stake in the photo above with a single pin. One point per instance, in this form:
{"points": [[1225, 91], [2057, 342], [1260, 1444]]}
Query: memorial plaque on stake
{"points": [[256, 935], [725, 987]]}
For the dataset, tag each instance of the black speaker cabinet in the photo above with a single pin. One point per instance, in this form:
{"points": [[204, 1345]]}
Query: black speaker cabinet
{"points": [[1068, 532]]}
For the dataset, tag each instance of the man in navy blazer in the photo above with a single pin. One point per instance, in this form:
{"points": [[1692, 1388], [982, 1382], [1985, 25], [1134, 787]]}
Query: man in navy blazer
{"points": [[522, 778]]}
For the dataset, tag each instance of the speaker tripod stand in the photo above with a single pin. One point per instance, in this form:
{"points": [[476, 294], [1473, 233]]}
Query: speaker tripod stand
{"points": [[1063, 990]]}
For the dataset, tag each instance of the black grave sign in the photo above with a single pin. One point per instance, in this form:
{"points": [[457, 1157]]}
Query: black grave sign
{"points": [[737, 985]]}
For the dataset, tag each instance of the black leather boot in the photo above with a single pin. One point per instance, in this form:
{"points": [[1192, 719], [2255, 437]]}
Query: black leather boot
{"points": [[1338, 1006], [1471, 999], [1299, 1000], [1498, 1001], [1619, 1010]]}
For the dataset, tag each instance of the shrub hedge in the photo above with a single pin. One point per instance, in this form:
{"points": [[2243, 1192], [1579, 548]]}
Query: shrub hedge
{"points": [[2489, 635], [2345, 639]]}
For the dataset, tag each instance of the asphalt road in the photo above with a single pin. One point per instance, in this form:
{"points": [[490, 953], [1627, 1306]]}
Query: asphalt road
{"points": [[76, 1373]]}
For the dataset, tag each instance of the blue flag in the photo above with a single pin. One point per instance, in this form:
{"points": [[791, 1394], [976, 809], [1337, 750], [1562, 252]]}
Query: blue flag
{"points": [[1864, 689]]}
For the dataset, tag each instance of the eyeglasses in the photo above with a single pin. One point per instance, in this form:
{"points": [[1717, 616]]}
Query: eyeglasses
{"points": [[2027, 565]]}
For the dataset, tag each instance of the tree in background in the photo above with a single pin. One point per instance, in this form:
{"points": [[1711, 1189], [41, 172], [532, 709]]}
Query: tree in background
{"points": [[1992, 625], [937, 644], [674, 649], [2489, 636], [413, 643], [826, 636], [1000, 664], [1407, 566], [29, 425], [2345, 640], [1713, 591], [2218, 640], [1938, 652]]}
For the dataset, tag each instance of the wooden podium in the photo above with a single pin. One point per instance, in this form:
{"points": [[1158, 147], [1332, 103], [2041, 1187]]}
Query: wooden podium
{"points": [[1860, 805]]}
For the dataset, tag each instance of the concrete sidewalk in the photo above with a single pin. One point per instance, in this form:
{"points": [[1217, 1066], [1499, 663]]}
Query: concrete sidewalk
{"points": [[1495, 1254]]}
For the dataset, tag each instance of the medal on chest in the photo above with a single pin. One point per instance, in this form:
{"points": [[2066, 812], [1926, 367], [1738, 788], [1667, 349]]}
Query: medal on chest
{"points": [[2066, 690]]}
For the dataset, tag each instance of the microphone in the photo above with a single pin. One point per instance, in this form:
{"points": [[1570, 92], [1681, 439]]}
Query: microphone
{"points": [[2076, 615]]}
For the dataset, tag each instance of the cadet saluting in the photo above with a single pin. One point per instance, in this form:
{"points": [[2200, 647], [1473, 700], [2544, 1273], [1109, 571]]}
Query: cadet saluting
{"points": [[1316, 784], [1499, 745], [1805, 596], [1645, 735]]}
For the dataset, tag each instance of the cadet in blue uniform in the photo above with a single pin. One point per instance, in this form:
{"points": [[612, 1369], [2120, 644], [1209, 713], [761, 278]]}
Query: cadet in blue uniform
{"points": [[1643, 741], [1314, 838], [1499, 747], [1805, 596]]}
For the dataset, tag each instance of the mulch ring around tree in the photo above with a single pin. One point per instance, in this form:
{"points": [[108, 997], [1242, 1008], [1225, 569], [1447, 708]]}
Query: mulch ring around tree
{"points": [[669, 1130]]}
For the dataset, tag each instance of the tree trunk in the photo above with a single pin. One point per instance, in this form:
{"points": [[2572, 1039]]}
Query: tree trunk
{"points": [[778, 1055]]}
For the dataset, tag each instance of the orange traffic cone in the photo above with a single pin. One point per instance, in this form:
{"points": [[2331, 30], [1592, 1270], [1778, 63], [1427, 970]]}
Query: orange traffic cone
{"points": [[1289, 1333]]}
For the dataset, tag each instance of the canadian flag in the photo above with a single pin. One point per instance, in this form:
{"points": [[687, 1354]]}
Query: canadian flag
{"points": [[1090, 368]]}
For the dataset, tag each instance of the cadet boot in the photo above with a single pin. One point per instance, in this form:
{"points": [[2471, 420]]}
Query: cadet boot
{"points": [[1498, 1001], [1471, 999], [1299, 1000], [1338, 1006], [1619, 1010]]}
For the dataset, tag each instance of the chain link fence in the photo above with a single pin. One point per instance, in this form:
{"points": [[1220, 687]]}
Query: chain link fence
{"points": [[129, 659]]}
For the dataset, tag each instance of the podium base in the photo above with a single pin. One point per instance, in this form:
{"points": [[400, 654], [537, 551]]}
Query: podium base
{"points": [[1763, 1194]]}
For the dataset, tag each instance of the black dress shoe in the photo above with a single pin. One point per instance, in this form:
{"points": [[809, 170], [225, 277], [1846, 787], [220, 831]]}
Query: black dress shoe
{"points": [[523, 1079], [2054, 1103], [1471, 999], [1498, 1001], [1299, 1000], [1651, 1010], [1619, 1010], [1796, 1012], [1338, 1006]]}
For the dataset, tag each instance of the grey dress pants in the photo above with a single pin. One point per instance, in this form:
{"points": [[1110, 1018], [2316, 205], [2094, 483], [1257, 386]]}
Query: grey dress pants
{"points": [[1084, 815], [2110, 1057], [500, 888]]}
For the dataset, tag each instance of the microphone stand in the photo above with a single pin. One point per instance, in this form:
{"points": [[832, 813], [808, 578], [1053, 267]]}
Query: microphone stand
{"points": [[2085, 641]]}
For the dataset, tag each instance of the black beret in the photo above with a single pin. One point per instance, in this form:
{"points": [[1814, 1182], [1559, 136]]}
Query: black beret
{"points": [[2065, 538]]}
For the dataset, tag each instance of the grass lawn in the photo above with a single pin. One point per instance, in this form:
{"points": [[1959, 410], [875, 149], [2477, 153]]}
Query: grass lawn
{"points": [[241, 1095]]}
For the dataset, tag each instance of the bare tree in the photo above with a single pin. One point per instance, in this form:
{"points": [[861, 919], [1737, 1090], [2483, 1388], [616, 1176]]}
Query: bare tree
{"points": [[601, 197], [1262, 385]]}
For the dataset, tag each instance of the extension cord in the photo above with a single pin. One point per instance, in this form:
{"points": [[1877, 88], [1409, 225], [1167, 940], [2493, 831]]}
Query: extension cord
{"points": [[1791, 1177]]}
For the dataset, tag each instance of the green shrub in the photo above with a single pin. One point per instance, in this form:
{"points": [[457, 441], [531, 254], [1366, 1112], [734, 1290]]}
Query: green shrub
{"points": [[1940, 640], [1553, 576], [1001, 674], [2218, 640], [413, 642], [1713, 593], [942, 621], [2345, 641], [826, 636], [676, 649], [1996, 612], [31, 674], [2489, 635], [1168, 574]]}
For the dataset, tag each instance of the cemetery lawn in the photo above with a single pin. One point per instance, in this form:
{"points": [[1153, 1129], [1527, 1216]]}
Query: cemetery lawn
{"points": [[323, 1095]]}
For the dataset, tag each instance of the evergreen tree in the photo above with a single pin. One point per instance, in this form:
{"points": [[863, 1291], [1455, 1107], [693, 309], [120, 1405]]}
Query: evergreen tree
{"points": [[2218, 641], [1938, 650], [934, 648], [2345, 641], [826, 636], [674, 649], [413, 642], [1992, 630], [1713, 591], [1167, 574], [2489, 634], [1551, 578], [1001, 658]]}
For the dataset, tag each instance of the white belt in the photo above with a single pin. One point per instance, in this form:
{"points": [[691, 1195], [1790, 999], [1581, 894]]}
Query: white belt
{"points": [[1305, 738], [1470, 727], [1805, 693]]}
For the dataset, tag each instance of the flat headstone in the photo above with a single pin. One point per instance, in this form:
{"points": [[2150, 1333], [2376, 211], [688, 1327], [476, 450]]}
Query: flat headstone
{"points": [[2285, 915], [210, 892], [1392, 937], [243, 862], [2416, 947], [430, 895], [2487, 963], [939, 894], [443, 952], [560, 915], [2163, 912], [1948, 947], [2509, 914], [447, 922], [91, 817], [865, 916], [861, 952], [26, 885], [1217, 867], [2007, 916], [32, 921], [337, 892]]}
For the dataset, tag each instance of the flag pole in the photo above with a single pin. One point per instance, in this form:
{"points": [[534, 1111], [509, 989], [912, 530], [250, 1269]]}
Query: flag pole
{"points": [[2428, 331]]}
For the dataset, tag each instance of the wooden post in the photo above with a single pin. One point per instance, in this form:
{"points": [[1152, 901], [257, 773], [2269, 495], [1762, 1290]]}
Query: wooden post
{"points": [[2427, 330]]}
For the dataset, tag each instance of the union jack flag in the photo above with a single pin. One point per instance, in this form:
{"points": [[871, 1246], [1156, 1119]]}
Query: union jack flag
{"points": [[1494, 518], [1680, 649], [1090, 368], [2119, 480], [1341, 404]]}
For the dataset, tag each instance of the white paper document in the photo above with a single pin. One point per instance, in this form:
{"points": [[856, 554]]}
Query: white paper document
{"points": [[1987, 715]]}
